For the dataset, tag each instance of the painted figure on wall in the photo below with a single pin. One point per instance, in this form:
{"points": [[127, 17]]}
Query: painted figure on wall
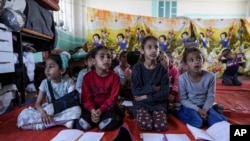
{"points": [[184, 37], [224, 40], [140, 34], [163, 42], [128, 34], [105, 36], [122, 42], [97, 41], [204, 45]]}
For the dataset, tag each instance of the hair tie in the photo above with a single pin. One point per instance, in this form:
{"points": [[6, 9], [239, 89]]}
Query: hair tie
{"points": [[65, 56]]}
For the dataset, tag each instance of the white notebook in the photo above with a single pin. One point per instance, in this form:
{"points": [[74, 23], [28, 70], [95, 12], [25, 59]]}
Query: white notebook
{"points": [[219, 131], [77, 135], [164, 137]]}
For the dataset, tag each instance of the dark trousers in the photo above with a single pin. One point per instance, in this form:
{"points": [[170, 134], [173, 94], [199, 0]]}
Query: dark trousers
{"points": [[231, 80], [117, 116], [156, 120]]}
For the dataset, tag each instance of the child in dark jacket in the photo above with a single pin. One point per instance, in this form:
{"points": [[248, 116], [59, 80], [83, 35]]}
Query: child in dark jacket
{"points": [[150, 87], [229, 76]]}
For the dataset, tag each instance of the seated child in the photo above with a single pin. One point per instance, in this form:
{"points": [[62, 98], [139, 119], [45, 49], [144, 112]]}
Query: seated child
{"points": [[88, 61], [100, 92], [229, 76], [115, 60], [120, 69], [173, 72], [133, 58], [150, 88], [197, 92], [42, 117]]}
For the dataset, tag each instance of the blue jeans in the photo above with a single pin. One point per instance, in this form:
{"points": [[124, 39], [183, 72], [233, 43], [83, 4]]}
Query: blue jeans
{"points": [[193, 118]]}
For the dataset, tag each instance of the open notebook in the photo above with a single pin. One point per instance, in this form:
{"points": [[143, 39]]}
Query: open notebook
{"points": [[219, 131], [164, 137], [77, 135]]}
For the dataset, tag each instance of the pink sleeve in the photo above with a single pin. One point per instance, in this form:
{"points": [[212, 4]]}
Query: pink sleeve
{"points": [[175, 73]]}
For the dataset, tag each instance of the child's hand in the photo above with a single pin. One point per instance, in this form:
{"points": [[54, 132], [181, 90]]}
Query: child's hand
{"points": [[98, 112], [46, 118], [95, 117], [203, 114], [157, 88], [139, 98], [171, 97], [128, 77]]}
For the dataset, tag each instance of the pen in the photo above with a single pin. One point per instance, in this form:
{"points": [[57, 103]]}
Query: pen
{"points": [[79, 137], [165, 138]]}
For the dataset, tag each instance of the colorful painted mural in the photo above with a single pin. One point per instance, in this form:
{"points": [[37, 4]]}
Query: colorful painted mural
{"points": [[121, 31]]}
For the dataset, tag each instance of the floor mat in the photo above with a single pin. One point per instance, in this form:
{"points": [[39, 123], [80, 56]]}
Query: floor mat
{"points": [[236, 101]]}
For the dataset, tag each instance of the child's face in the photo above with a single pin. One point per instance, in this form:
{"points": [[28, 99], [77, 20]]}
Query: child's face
{"points": [[151, 50], [113, 54], [164, 60], [89, 62], [228, 55], [123, 59], [52, 70], [102, 59], [194, 62]]}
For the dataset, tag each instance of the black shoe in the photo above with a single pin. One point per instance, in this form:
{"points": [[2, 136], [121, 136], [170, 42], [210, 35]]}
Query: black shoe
{"points": [[218, 107]]}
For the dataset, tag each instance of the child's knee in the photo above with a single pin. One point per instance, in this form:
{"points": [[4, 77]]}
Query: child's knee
{"points": [[145, 125], [159, 127], [197, 123]]}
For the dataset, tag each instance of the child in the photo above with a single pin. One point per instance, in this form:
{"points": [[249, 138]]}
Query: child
{"points": [[173, 72], [182, 67], [41, 116], [89, 63], [229, 76], [100, 91], [197, 92], [132, 59], [150, 88], [115, 61], [120, 69]]}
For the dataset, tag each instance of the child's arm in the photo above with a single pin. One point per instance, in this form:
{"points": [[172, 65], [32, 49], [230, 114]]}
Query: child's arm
{"points": [[210, 94], [136, 85], [79, 81], [111, 101], [164, 89], [175, 77], [44, 116]]}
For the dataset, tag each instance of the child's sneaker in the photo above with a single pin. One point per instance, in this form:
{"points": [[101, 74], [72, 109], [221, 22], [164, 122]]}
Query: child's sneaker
{"points": [[81, 124], [218, 107], [104, 123]]}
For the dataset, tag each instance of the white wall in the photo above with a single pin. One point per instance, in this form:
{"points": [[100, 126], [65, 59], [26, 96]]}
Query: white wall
{"points": [[248, 9], [189, 8], [212, 8], [134, 7]]}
